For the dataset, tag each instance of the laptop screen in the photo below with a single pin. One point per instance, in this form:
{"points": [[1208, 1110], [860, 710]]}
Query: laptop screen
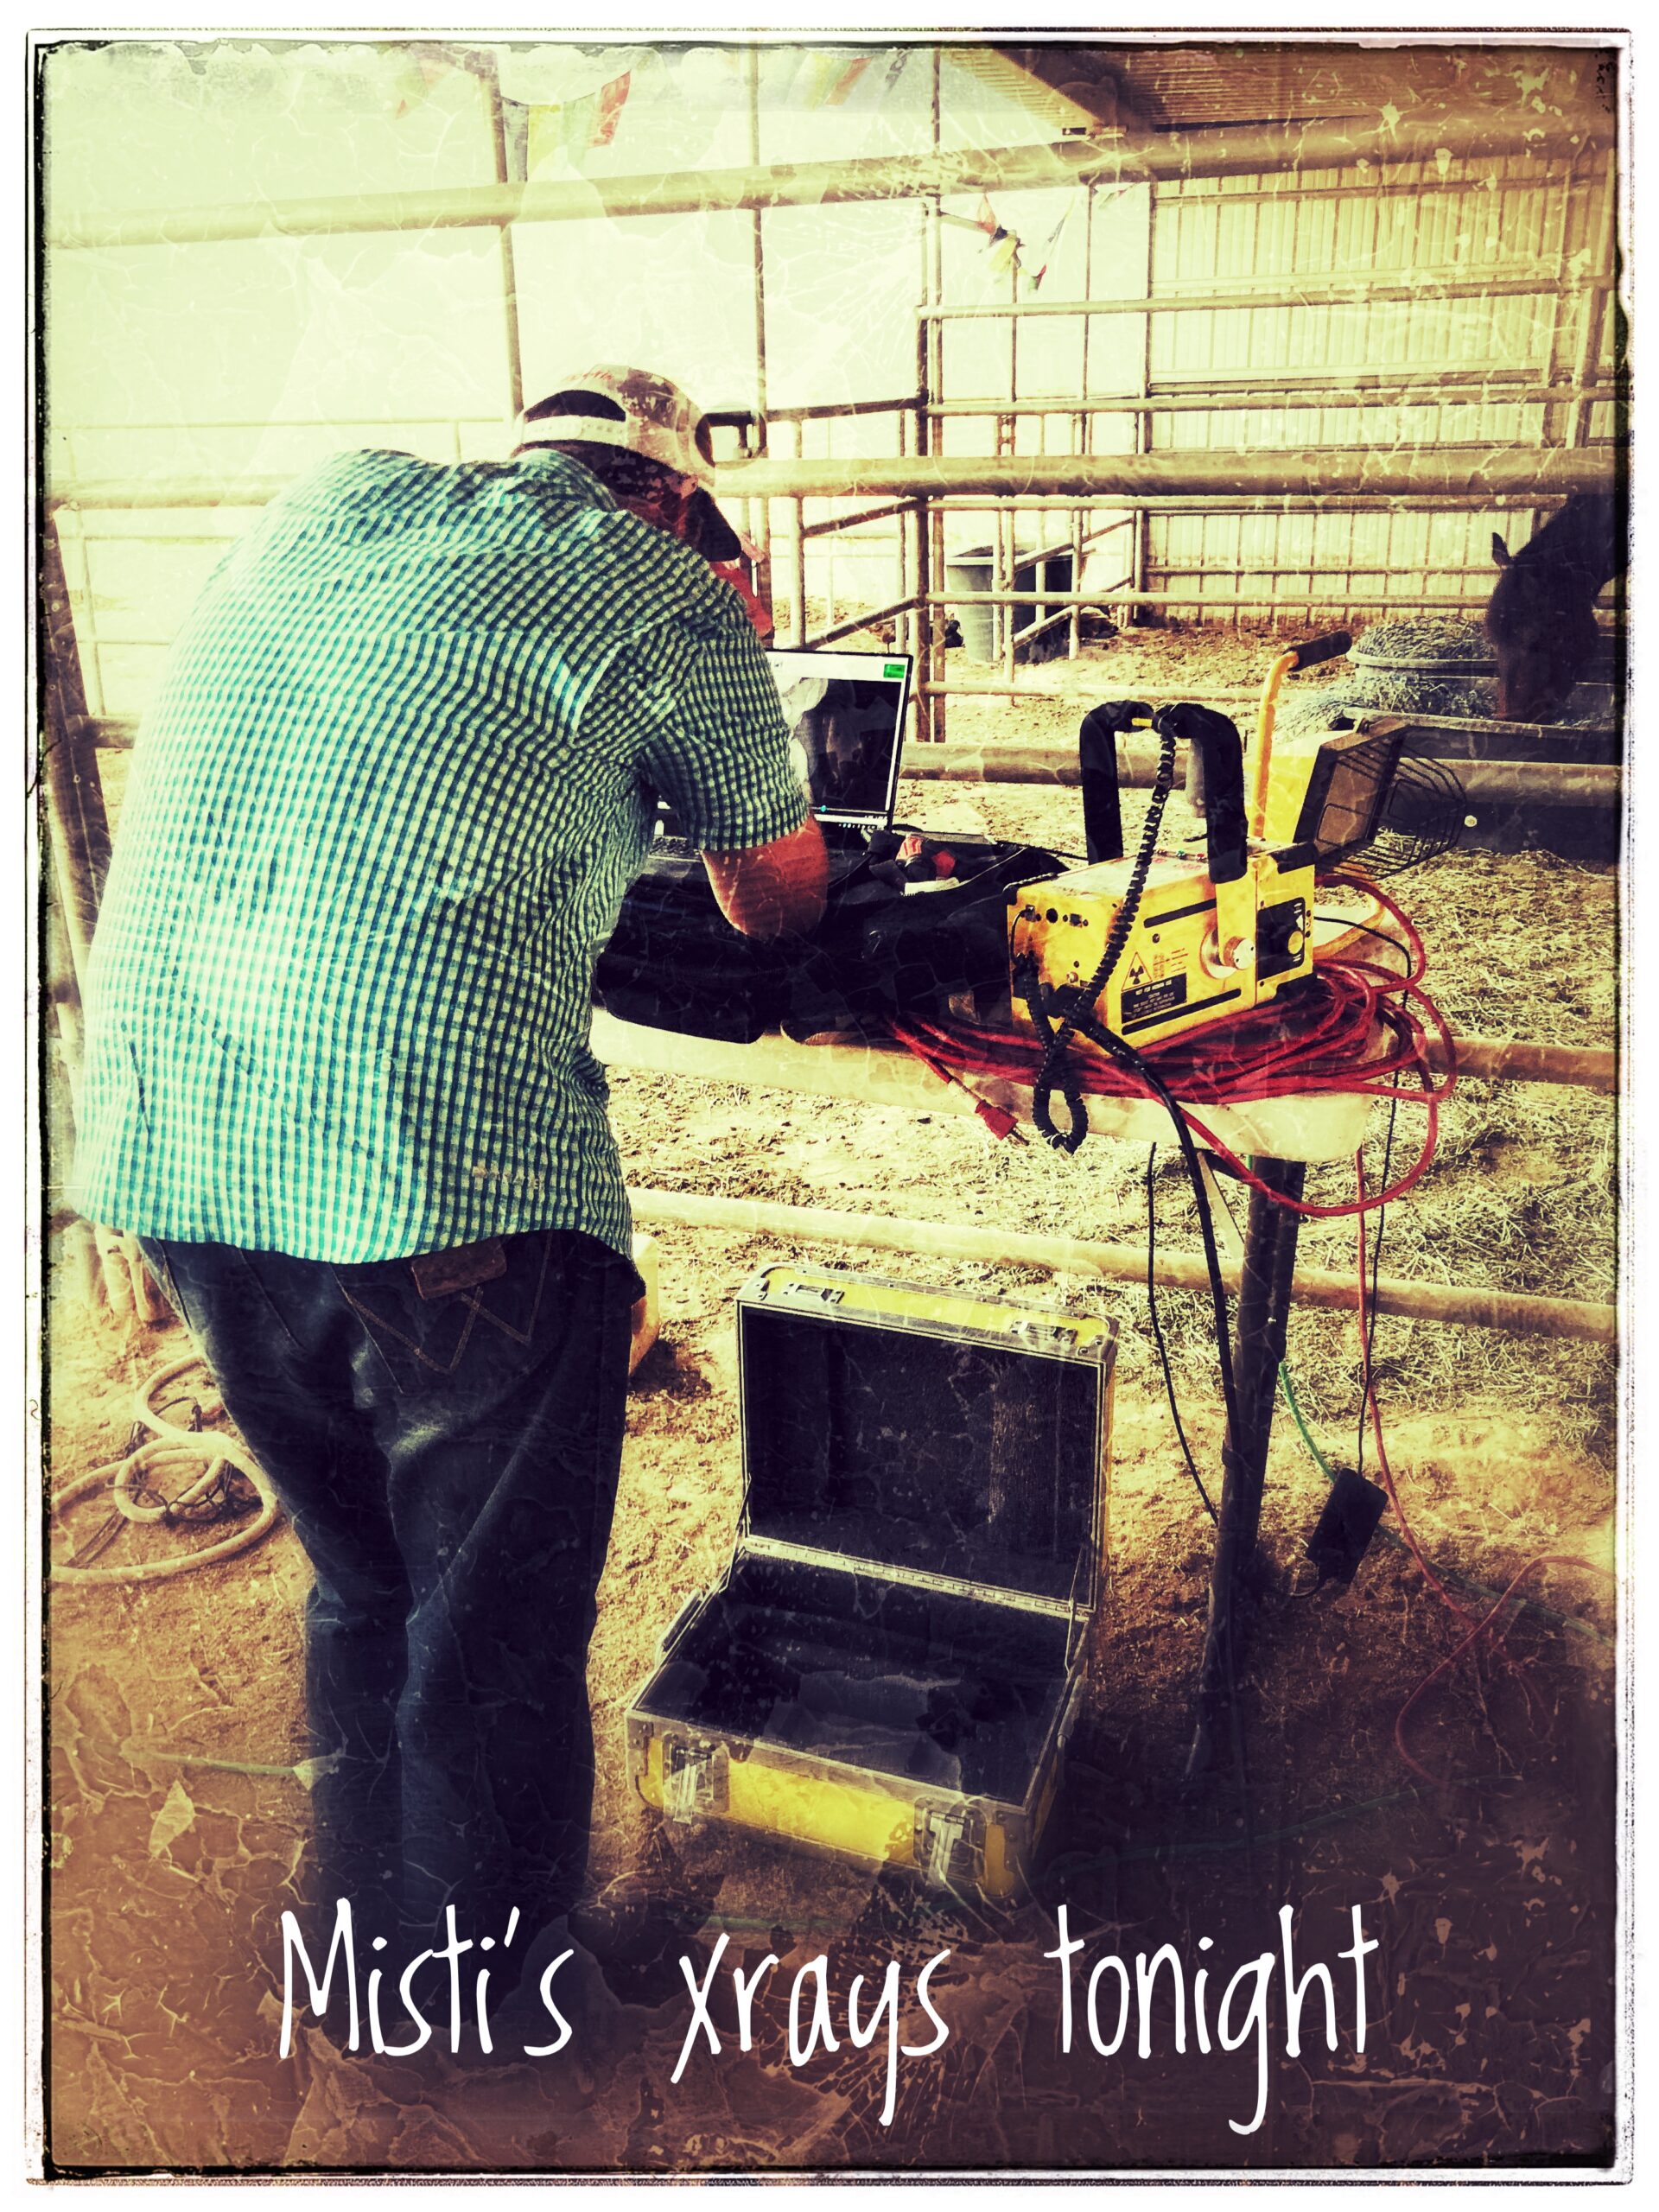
{"points": [[846, 716]]}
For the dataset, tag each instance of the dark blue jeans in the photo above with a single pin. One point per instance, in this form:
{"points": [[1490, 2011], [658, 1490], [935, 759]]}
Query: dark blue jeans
{"points": [[449, 1463]]}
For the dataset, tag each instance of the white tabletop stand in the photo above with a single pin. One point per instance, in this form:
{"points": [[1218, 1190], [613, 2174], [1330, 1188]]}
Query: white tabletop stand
{"points": [[1279, 1137]]}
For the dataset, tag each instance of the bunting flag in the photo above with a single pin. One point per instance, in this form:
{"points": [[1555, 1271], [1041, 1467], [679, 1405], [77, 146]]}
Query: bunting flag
{"points": [[824, 80], [566, 132], [390, 80], [414, 81], [515, 134], [1053, 241], [896, 67], [611, 98], [818, 78], [555, 133], [848, 75], [1002, 253], [871, 86]]}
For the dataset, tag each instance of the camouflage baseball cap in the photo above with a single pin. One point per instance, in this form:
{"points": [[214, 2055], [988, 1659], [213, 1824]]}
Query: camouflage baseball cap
{"points": [[634, 408]]}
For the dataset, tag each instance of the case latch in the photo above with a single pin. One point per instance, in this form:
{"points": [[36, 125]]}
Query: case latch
{"points": [[939, 1834], [694, 1780]]}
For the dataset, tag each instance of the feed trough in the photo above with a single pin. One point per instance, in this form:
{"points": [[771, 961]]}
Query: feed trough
{"points": [[1442, 667]]}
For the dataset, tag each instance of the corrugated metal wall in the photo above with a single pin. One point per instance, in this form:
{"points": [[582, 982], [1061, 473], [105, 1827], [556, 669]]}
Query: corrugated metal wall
{"points": [[1422, 225]]}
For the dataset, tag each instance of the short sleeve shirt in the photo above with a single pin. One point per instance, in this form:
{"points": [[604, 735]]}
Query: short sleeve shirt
{"points": [[402, 768]]}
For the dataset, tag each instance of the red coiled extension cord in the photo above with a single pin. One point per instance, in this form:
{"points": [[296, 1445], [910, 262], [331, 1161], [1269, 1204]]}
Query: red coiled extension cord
{"points": [[1354, 1027]]}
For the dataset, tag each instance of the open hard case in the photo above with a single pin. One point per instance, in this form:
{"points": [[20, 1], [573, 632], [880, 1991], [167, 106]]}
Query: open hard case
{"points": [[890, 1666]]}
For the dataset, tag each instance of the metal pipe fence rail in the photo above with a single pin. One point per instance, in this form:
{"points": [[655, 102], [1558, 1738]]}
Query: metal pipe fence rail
{"points": [[1485, 782], [1578, 153], [1008, 479], [1232, 150], [1517, 1313], [1330, 595], [1285, 475], [1458, 477], [1270, 399], [1258, 298], [1445, 736]]}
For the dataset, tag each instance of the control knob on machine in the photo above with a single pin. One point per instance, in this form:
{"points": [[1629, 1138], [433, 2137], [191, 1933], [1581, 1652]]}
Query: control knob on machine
{"points": [[1238, 954]]}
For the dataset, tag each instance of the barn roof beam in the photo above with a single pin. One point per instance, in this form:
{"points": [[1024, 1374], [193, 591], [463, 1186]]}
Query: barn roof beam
{"points": [[1066, 88]]}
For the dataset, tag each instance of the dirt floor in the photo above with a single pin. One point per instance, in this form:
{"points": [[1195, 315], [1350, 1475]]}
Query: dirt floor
{"points": [[1464, 1803]]}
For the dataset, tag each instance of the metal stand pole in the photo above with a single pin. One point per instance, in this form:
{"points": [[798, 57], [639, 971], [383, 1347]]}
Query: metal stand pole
{"points": [[1270, 1263]]}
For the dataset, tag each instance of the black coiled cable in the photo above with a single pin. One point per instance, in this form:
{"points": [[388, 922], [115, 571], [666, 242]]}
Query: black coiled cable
{"points": [[1028, 983], [1054, 1069]]}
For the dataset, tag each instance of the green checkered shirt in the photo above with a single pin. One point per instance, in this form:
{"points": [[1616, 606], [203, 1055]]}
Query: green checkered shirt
{"points": [[401, 771]]}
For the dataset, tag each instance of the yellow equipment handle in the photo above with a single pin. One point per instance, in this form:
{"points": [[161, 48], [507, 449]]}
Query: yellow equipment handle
{"points": [[1334, 643]]}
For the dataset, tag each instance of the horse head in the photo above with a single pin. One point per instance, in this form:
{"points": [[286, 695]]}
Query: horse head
{"points": [[1542, 629]]}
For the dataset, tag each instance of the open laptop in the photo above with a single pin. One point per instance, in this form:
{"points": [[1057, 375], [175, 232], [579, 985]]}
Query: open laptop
{"points": [[846, 716]]}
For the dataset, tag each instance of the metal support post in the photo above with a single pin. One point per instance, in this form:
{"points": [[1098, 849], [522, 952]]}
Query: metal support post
{"points": [[509, 275], [1270, 1264], [1141, 549], [918, 623], [797, 529], [1568, 205], [931, 706], [1083, 425], [757, 513], [79, 826], [1598, 312]]}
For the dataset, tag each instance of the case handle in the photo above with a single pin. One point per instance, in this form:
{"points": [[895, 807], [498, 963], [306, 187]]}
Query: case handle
{"points": [[1329, 647], [1216, 742], [1103, 814]]}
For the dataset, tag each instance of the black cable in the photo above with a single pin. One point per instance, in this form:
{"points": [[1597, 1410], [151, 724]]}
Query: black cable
{"points": [[1079, 1018], [1053, 1068], [1369, 1348], [1158, 1337], [1126, 1056], [1027, 982], [1393, 943]]}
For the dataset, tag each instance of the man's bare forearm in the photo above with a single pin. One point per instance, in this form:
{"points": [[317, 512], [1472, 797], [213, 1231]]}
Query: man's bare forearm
{"points": [[773, 890]]}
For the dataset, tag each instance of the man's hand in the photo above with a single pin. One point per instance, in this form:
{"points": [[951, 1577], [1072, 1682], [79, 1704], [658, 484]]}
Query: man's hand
{"points": [[776, 889]]}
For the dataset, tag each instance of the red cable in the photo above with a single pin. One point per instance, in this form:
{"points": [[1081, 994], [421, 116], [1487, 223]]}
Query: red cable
{"points": [[1322, 1042], [1368, 1398]]}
